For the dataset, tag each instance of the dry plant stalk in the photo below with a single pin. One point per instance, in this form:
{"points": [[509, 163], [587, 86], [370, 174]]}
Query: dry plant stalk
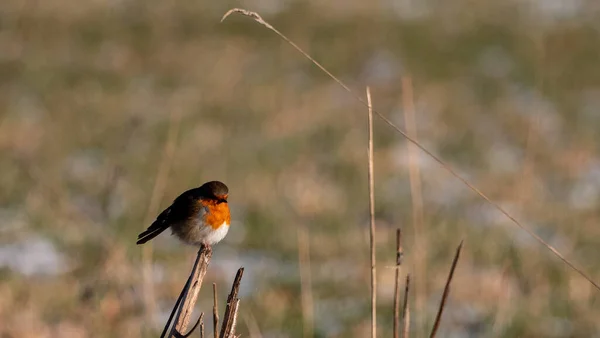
{"points": [[230, 328], [416, 194], [256, 17], [372, 222], [215, 311], [438, 317], [187, 299], [201, 322], [189, 295], [406, 309], [399, 255], [231, 311]]}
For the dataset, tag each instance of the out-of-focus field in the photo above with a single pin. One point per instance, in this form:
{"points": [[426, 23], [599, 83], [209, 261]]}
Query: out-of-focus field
{"points": [[110, 109]]}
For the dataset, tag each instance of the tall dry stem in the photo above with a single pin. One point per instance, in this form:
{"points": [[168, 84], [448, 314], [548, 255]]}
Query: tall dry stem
{"points": [[419, 250], [215, 312], [399, 255], [231, 310], [406, 309], [372, 222]]}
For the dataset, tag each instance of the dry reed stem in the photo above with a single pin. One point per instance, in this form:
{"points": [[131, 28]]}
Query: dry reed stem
{"points": [[372, 222], [442, 163], [186, 308], [305, 282], [234, 315], [202, 328], [406, 309], [215, 312], [416, 196], [157, 193], [438, 317], [399, 255], [230, 316]]}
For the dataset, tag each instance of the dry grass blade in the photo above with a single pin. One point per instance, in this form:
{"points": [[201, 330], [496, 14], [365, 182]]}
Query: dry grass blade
{"points": [[230, 316], [438, 317], [397, 283], [405, 309], [447, 167], [182, 319], [372, 222], [215, 312]]}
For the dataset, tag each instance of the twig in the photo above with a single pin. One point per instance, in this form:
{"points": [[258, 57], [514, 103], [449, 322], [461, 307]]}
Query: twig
{"points": [[215, 312], [204, 255], [372, 222], [176, 307], [202, 328], [234, 314], [399, 255], [199, 321], [406, 309], [438, 318], [442, 163], [230, 316], [186, 308], [305, 282]]}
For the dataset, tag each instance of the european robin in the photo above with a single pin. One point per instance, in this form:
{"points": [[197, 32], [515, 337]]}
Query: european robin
{"points": [[199, 216]]}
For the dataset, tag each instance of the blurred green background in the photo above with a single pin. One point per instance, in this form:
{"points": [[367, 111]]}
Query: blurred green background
{"points": [[110, 109]]}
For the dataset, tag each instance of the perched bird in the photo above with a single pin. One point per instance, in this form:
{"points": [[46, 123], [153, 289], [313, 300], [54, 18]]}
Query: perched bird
{"points": [[199, 216]]}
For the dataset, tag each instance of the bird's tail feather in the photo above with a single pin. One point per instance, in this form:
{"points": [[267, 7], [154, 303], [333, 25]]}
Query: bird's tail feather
{"points": [[158, 226], [148, 235]]}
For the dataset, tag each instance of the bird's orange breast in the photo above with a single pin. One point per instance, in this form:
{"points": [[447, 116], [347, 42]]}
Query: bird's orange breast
{"points": [[217, 215]]}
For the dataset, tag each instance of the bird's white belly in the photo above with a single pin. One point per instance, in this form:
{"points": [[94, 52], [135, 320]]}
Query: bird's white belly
{"points": [[200, 233], [214, 236]]}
